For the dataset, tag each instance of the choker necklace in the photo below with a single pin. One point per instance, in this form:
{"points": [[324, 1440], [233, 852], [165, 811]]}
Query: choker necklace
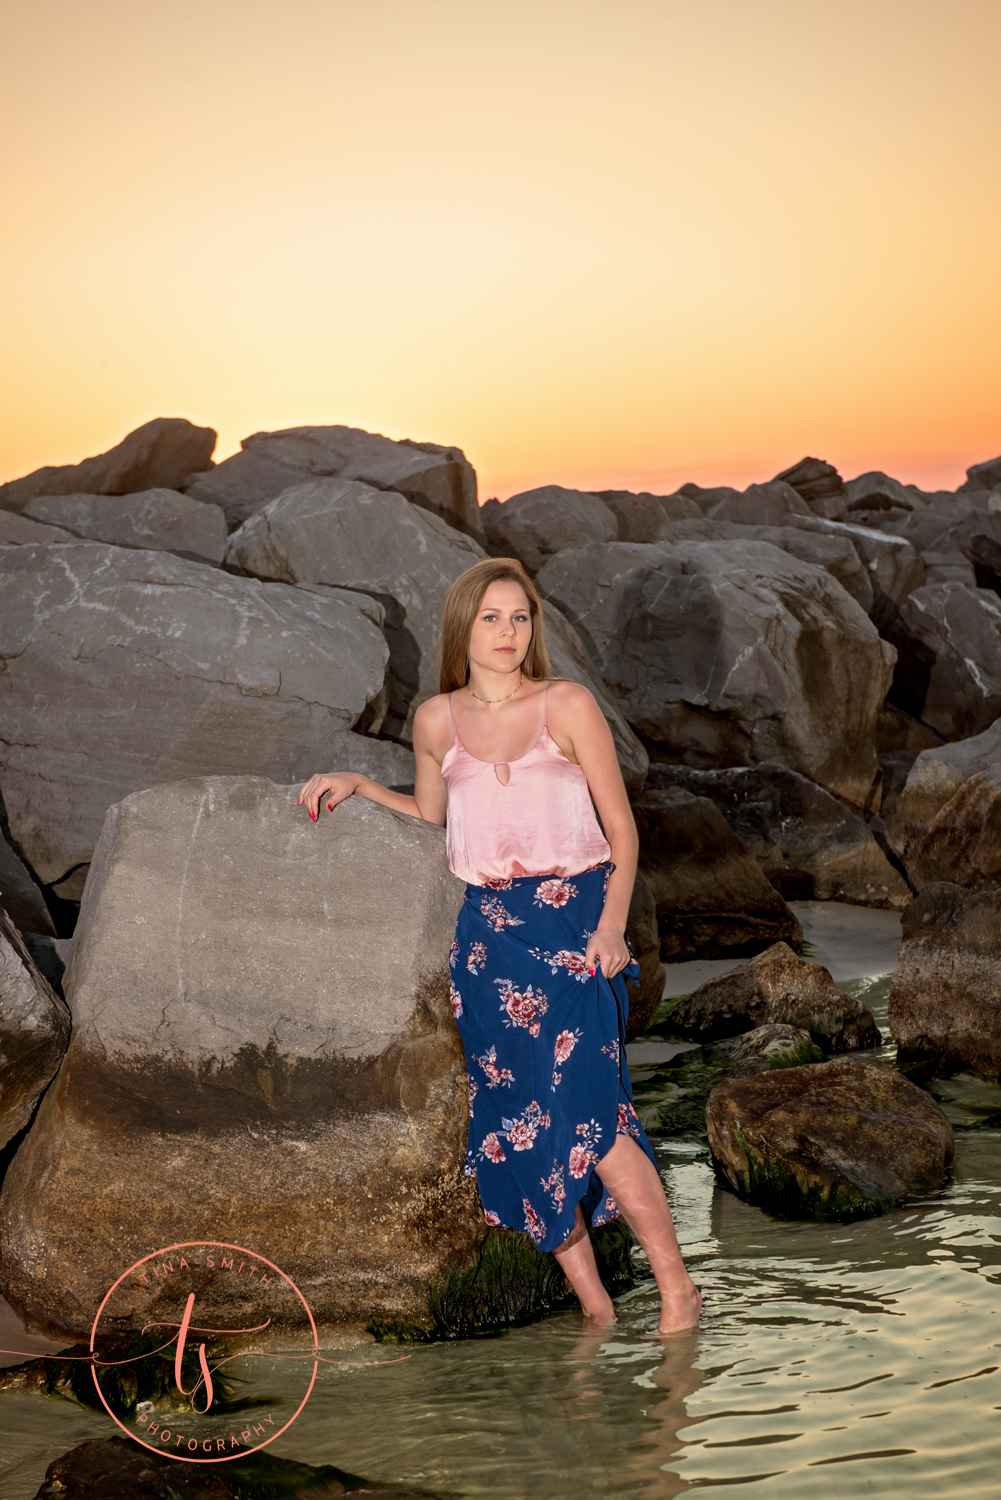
{"points": [[506, 696]]}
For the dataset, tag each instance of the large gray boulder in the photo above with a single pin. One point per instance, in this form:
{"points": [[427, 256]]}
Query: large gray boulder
{"points": [[985, 476], [894, 567], [945, 998], [17, 529], [934, 778], [568, 658], [819, 484], [34, 1032], [535, 524], [732, 654], [126, 668], [161, 454], [949, 658], [438, 479], [163, 520], [711, 898], [837, 555], [759, 505], [845, 1139], [776, 986], [344, 533], [808, 845], [640, 516], [260, 1008], [877, 492]]}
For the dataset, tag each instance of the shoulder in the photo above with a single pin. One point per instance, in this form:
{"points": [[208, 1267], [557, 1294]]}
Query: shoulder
{"points": [[571, 698], [433, 726]]}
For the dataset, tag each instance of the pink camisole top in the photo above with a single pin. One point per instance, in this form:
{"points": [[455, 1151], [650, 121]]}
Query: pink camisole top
{"points": [[541, 823]]}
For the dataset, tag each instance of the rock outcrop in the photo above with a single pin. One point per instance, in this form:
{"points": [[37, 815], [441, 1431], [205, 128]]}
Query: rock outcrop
{"points": [[534, 525], [776, 987], [34, 1031], [20, 897], [163, 520], [949, 670], [436, 478], [260, 1006], [711, 898], [732, 654], [643, 935], [640, 516], [819, 484], [126, 668], [963, 843], [344, 533], [945, 999], [809, 846], [846, 1139], [161, 454]]}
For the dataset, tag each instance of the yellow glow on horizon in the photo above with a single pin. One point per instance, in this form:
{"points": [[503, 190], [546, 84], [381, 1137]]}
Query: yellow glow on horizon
{"points": [[591, 244]]}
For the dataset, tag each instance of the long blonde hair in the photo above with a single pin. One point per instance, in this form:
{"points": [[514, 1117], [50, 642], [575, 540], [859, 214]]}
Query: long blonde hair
{"points": [[461, 607]]}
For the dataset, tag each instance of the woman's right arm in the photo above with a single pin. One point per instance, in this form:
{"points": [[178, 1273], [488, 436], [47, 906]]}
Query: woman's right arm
{"points": [[429, 799]]}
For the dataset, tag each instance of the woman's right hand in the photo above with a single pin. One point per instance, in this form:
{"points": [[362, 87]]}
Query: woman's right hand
{"points": [[339, 784]]}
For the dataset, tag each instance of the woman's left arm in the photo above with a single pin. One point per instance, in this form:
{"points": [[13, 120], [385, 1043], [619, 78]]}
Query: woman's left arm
{"points": [[576, 718]]}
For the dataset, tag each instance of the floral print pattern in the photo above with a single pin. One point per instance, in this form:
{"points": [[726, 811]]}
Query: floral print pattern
{"points": [[544, 1104], [453, 954], [555, 892], [455, 1000], [495, 1075]]}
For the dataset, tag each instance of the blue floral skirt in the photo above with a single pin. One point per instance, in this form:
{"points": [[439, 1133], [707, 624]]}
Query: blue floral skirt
{"points": [[545, 1049]]}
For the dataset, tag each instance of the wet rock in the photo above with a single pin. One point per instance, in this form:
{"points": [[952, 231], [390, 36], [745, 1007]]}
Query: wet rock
{"points": [[809, 846], [640, 516], [343, 533], [34, 1032], [20, 897], [945, 999], [835, 554], [115, 1469], [644, 937], [537, 523], [161, 454], [775, 1045], [985, 476], [963, 843], [163, 520], [16, 530], [711, 898], [568, 658], [128, 668], [731, 659], [819, 484], [260, 1006], [776, 986], [438, 479], [934, 778], [841, 1140], [949, 658]]}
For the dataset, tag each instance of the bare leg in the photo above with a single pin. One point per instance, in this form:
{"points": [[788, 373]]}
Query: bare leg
{"points": [[576, 1261], [635, 1184]]}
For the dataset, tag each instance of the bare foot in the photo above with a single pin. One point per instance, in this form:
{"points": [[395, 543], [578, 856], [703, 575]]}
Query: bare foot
{"points": [[680, 1313], [600, 1322]]}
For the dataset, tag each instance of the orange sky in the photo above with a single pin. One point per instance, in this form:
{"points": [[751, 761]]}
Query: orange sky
{"points": [[592, 243]]}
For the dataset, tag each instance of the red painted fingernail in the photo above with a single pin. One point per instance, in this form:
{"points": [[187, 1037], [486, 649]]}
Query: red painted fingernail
{"points": [[330, 807], [591, 972]]}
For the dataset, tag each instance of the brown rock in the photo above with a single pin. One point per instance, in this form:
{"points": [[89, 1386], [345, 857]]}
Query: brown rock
{"points": [[945, 999], [819, 484], [985, 476], [34, 1031], [20, 896], [641, 929], [845, 1139], [776, 986], [712, 900], [161, 454], [963, 843], [641, 516], [934, 778], [774, 1045]]}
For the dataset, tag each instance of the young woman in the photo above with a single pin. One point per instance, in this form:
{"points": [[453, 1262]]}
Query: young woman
{"points": [[539, 958]]}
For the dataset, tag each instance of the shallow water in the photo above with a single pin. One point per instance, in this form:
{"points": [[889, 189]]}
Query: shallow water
{"points": [[856, 1360]]}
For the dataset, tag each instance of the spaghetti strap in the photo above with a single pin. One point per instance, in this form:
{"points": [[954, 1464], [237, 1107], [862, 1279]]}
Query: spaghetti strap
{"points": [[545, 709]]}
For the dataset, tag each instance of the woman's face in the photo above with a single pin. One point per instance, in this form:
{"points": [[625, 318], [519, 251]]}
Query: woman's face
{"points": [[502, 629]]}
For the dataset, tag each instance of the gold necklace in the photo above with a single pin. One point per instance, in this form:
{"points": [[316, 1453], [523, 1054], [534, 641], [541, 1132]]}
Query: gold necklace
{"points": [[506, 696]]}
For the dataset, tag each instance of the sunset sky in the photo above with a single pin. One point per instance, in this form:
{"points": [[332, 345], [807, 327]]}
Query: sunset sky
{"points": [[598, 244]]}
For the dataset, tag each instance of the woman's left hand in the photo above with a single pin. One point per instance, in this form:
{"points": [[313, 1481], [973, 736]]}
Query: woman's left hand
{"points": [[607, 948]]}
